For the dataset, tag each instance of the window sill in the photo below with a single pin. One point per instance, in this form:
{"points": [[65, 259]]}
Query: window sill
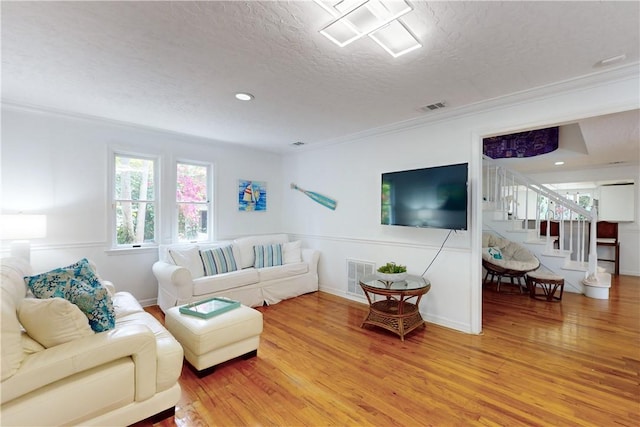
{"points": [[132, 250]]}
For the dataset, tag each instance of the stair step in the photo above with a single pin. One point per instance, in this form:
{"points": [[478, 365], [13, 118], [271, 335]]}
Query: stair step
{"points": [[599, 288], [556, 253], [582, 266], [576, 266], [603, 280], [536, 242]]}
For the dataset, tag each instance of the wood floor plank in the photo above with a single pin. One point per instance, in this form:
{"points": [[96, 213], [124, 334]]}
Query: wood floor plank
{"points": [[573, 363]]}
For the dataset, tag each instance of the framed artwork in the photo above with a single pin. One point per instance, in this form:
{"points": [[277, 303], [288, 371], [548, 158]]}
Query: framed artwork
{"points": [[252, 195]]}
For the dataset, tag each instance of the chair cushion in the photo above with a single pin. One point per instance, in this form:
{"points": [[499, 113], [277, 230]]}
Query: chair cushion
{"points": [[243, 247], [513, 255], [189, 258], [79, 284], [267, 255], [13, 290], [10, 339], [283, 271], [218, 260], [544, 275], [29, 345], [291, 252], [53, 321], [220, 282], [125, 304]]}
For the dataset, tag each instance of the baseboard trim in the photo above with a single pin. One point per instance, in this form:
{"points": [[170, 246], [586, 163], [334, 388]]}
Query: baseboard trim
{"points": [[436, 320], [148, 302]]}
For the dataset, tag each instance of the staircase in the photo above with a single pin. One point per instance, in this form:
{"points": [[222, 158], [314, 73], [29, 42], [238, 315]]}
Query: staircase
{"points": [[516, 207]]}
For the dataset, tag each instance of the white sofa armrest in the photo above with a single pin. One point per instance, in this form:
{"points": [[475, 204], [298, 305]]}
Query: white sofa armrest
{"points": [[174, 278], [62, 361], [311, 257]]}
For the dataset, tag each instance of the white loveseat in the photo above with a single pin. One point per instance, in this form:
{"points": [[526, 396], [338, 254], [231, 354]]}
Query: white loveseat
{"points": [[114, 378], [181, 277]]}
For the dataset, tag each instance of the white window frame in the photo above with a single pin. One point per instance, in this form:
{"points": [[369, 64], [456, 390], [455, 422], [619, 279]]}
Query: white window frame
{"points": [[209, 203], [112, 222]]}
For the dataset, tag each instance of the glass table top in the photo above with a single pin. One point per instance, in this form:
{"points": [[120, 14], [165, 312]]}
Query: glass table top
{"points": [[410, 283]]}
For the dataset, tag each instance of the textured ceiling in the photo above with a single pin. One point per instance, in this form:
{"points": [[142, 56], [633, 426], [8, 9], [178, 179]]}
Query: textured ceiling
{"points": [[176, 65]]}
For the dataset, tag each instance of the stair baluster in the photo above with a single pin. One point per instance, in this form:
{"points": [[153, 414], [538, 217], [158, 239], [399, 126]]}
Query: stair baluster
{"points": [[505, 189]]}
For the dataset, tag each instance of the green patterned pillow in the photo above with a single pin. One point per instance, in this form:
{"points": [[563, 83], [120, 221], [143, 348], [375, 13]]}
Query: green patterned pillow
{"points": [[267, 255], [78, 284], [218, 260]]}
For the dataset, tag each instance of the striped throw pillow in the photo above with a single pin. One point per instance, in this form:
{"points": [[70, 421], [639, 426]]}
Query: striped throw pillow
{"points": [[218, 260], [267, 255]]}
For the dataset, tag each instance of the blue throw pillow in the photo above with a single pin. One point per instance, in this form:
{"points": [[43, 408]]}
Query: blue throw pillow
{"points": [[78, 284], [218, 260], [95, 303], [267, 255], [494, 253]]}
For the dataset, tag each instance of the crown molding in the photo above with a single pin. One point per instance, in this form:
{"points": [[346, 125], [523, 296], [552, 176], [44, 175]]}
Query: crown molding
{"points": [[589, 81], [593, 80], [192, 138]]}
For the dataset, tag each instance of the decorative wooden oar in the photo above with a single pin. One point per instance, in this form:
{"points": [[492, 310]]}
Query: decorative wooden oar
{"points": [[323, 200]]}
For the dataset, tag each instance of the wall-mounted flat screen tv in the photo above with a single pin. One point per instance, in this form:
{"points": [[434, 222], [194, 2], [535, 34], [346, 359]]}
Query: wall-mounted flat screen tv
{"points": [[433, 197]]}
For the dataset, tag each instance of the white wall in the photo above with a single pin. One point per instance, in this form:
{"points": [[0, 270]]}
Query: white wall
{"points": [[350, 172], [57, 165]]}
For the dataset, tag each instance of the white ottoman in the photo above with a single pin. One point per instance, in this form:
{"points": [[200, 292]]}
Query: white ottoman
{"points": [[209, 342]]}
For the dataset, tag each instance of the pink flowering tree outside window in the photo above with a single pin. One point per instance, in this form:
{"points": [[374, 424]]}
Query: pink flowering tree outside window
{"points": [[193, 202]]}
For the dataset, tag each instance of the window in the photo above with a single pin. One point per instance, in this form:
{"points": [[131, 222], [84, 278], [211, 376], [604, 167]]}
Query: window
{"points": [[134, 200], [192, 199]]}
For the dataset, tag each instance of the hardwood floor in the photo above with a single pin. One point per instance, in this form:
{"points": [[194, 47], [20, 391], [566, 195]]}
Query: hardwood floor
{"points": [[537, 364]]}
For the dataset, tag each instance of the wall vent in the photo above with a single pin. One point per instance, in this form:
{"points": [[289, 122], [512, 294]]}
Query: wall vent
{"points": [[435, 106], [356, 270]]}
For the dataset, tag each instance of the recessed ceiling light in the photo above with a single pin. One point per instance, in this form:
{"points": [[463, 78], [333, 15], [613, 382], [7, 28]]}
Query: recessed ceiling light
{"points": [[559, 163], [243, 96]]}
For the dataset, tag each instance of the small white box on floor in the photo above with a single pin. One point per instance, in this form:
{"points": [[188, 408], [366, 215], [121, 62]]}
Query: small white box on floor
{"points": [[209, 342]]}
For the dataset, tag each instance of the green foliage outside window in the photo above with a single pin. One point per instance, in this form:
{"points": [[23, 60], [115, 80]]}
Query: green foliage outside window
{"points": [[134, 200]]}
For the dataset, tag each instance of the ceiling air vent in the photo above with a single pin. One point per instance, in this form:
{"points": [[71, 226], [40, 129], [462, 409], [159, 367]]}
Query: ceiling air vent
{"points": [[431, 107]]}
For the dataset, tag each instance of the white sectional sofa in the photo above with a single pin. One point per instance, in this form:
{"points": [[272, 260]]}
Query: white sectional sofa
{"points": [[111, 378], [182, 278]]}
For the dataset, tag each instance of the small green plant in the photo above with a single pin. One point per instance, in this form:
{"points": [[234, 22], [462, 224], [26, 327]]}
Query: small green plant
{"points": [[391, 268]]}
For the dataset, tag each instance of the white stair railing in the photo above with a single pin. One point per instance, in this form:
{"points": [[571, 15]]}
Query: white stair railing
{"points": [[503, 188]]}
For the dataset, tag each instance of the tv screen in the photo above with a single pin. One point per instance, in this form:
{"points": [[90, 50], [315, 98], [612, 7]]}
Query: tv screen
{"points": [[433, 197]]}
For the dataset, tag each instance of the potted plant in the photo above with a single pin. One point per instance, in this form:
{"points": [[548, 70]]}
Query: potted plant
{"points": [[392, 272]]}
